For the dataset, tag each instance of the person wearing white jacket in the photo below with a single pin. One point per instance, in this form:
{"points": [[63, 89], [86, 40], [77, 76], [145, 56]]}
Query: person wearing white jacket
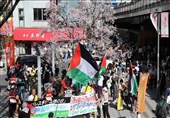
{"points": [[109, 84]]}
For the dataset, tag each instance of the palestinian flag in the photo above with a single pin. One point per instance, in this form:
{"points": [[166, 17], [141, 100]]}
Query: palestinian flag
{"points": [[82, 67], [103, 66], [31, 108], [134, 85]]}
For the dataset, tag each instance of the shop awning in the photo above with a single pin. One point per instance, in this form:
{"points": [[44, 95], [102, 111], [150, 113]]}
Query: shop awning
{"points": [[33, 34]]}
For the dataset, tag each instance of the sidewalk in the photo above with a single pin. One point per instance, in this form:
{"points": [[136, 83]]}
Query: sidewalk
{"points": [[150, 102], [150, 105]]}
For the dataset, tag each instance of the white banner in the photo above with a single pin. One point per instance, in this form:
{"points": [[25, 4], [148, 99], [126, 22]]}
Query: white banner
{"points": [[154, 17], [164, 24]]}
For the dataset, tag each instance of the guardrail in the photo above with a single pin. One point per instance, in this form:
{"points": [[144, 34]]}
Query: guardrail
{"points": [[138, 5]]}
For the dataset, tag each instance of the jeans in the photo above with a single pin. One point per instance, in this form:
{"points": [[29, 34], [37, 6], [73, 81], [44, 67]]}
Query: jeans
{"points": [[21, 91]]}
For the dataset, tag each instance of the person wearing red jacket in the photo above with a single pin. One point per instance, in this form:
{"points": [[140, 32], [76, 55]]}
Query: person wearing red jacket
{"points": [[64, 85]]}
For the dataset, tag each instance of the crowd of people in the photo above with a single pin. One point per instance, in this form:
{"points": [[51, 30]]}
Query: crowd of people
{"points": [[112, 87]]}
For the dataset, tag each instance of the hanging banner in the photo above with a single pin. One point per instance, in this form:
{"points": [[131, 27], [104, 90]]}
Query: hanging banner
{"points": [[82, 105], [164, 24], [142, 92], [154, 17], [9, 50]]}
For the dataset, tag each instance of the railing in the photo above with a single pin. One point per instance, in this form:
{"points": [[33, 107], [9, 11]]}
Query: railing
{"points": [[138, 5]]}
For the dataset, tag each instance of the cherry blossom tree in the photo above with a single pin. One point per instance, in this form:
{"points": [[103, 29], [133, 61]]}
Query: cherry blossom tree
{"points": [[84, 19]]}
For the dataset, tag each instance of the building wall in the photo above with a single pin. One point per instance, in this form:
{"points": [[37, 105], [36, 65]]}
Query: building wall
{"points": [[28, 6]]}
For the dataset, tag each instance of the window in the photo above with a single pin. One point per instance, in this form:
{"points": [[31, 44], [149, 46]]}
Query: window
{"points": [[21, 17], [39, 14]]}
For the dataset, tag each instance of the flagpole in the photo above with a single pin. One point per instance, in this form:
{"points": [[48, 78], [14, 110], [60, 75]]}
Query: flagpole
{"points": [[158, 55]]}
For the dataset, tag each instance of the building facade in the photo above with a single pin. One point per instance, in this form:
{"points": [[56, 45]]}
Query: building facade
{"points": [[29, 19]]}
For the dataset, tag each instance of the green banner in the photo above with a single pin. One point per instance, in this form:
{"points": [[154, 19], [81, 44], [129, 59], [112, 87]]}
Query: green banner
{"points": [[63, 107]]}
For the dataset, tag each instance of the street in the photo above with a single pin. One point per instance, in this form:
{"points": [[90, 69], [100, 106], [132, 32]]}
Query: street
{"points": [[114, 113], [150, 105]]}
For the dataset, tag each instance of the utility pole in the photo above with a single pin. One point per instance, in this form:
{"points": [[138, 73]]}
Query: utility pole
{"points": [[39, 70], [53, 59], [158, 49], [52, 46]]}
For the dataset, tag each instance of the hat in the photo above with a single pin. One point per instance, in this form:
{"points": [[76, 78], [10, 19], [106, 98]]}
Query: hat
{"points": [[105, 89]]}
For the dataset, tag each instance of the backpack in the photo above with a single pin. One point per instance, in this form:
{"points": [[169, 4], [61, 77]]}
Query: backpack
{"points": [[160, 112]]}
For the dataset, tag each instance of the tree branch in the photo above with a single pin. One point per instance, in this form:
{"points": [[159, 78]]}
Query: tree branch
{"points": [[5, 18]]}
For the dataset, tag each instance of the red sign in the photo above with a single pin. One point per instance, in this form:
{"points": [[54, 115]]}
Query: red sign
{"points": [[33, 34], [9, 50]]}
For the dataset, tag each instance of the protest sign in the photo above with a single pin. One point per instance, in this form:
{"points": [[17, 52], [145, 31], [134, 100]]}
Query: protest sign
{"points": [[82, 105], [59, 106], [68, 93], [64, 106]]}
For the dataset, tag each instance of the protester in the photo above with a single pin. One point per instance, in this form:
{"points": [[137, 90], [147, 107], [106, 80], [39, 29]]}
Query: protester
{"points": [[109, 84], [168, 100], [64, 85], [24, 113], [15, 115], [57, 87], [21, 85], [46, 74], [105, 103], [87, 90], [48, 94], [99, 86], [33, 84], [120, 100], [18, 103], [51, 115], [33, 96], [162, 108]]}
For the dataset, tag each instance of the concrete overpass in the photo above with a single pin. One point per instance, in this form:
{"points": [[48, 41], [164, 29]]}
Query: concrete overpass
{"points": [[134, 18]]}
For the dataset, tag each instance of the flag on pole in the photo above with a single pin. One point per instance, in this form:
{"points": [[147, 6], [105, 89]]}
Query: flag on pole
{"points": [[134, 85], [164, 24], [154, 19], [103, 66], [82, 67]]}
